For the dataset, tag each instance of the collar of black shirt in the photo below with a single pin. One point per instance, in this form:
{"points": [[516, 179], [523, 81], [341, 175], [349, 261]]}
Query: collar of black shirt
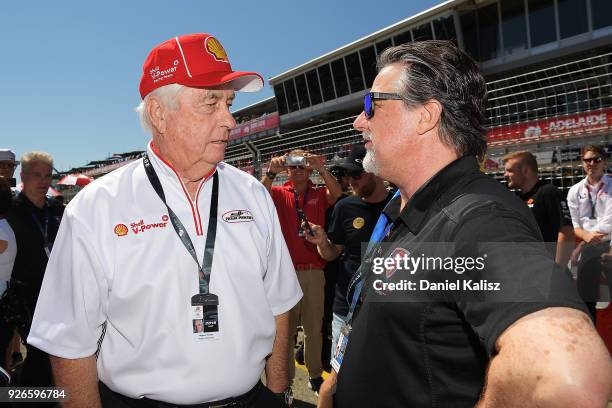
{"points": [[437, 192]]}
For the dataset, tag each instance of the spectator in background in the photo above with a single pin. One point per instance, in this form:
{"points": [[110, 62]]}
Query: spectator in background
{"points": [[8, 251], [545, 201], [590, 204], [35, 220], [297, 200], [8, 164], [351, 225]]}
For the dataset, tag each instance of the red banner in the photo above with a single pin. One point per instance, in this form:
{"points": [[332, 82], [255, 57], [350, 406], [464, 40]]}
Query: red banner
{"points": [[552, 128], [253, 126]]}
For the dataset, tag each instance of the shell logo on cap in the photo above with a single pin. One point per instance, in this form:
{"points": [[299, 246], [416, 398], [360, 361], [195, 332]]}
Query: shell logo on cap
{"points": [[121, 230], [214, 48]]}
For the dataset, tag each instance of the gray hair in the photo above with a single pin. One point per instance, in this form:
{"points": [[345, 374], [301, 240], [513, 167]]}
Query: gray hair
{"points": [[35, 157], [167, 96], [438, 70]]}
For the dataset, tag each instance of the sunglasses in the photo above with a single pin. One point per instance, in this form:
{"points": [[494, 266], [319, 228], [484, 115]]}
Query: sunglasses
{"points": [[296, 167], [370, 97], [592, 160]]}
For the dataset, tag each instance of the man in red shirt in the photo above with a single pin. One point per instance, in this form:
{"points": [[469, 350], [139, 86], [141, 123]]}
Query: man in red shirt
{"points": [[296, 201]]}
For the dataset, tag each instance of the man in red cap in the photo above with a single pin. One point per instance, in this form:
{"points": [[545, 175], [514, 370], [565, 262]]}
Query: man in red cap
{"points": [[170, 282]]}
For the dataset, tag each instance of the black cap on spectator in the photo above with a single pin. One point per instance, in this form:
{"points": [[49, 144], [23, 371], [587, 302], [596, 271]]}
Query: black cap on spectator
{"points": [[354, 161]]}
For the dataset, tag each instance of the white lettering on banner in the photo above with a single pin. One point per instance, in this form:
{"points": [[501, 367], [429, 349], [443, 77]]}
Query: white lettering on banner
{"points": [[158, 75], [578, 123]]}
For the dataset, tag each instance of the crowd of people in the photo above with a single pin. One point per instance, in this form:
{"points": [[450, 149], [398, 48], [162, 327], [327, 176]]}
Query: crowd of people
{"points": [[178, 280]]}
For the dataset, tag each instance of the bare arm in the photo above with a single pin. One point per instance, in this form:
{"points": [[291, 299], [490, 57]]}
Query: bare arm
{"points": [[277, 165], [550, 358], [277, 376], [334, 190], [80, 379], [325, 247], [565, 245], [326, 392]]}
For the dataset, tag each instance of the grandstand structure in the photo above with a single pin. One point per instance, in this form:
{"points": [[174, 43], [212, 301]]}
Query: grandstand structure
{"points": [[548, 66]]}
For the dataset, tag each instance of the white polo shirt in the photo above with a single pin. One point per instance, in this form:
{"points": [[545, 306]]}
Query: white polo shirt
{"points": [[582, 198], [117, 259]]}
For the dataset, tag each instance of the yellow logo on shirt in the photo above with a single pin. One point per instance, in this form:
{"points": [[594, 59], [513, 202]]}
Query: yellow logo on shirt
{"points": [[358, 223]]}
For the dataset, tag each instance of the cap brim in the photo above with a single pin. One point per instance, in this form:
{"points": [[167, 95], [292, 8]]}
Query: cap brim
{"points": [[349, 166], [239, 81]]}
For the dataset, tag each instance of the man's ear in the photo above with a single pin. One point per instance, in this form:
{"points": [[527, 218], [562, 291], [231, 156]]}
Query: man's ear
{"points": [[429, 116], [156, 112]]}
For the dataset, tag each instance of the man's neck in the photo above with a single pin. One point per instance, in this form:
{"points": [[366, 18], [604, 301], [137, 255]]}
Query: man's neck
{"points": [[528, 186], [378, 195], [594, 180], [37, 200], [191, 174], [300, 186], [430, 162]]}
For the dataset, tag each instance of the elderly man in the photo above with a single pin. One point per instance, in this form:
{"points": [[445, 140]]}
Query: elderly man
{"points": [[35, 220], [545, 201], [147, 251], [590, 204], [518, 338], [296, 201]]}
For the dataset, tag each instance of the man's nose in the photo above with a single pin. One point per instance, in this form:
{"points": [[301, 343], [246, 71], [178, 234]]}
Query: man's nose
{"points": [[361, 122]]}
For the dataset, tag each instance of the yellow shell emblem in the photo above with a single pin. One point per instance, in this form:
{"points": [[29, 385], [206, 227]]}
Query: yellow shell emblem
{"points": [[214, 47], [121, 230], [358, 223]]}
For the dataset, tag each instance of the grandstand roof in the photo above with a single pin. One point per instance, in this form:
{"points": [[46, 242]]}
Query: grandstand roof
{"points": [[370, 38]]}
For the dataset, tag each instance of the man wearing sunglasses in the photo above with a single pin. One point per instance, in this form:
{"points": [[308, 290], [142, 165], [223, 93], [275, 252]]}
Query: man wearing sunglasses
{"points": [[350, 225], [298, 202], [456, 346], [590, 204]]}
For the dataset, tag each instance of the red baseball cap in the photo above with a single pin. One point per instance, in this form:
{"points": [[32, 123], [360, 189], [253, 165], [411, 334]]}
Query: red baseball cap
{"points": [[196, 60]]}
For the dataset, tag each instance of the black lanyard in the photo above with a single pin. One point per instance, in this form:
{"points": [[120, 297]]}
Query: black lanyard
{"points": [[44, 230], [300, 211], [204, 270]]}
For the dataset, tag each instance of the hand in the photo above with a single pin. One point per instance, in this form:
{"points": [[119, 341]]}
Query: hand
{"points": [[314, 162], [326, 392], [277, 165], [606, 260], [595, 237], [576, 253], [318, 236]]}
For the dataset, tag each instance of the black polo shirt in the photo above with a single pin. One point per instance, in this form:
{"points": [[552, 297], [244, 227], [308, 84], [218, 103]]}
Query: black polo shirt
{"points": [[351, 224], [549, 209], [431, 348]]}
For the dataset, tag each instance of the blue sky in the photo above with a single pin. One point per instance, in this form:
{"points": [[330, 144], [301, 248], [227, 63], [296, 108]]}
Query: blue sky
{"points": [[69, 70]]}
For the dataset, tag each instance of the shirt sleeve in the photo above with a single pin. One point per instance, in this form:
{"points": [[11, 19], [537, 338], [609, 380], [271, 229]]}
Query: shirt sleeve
{"points": [[604, 222], [574, 206], [71, 307], [280, 281], [529, 280], [336, 232]]}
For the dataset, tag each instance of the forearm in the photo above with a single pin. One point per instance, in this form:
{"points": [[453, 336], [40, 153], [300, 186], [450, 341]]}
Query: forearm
{"points": [[277, 376], [80, 379], [580, 233], [328, 251], [334, 189], [565, 245]]}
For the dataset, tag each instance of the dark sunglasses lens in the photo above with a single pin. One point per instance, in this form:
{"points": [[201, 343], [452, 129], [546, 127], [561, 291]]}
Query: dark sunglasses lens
{"points": [[593, 160], [356, 176], [368, 107]]}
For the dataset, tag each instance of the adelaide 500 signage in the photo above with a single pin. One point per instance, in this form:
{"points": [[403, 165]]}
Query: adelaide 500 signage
{"points": [[560, 126]]}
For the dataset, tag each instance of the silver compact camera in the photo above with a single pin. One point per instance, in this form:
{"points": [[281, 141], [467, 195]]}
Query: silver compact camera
{"points": [[292, 161]]}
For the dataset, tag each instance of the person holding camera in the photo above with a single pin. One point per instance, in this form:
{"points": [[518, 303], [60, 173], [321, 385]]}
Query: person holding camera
{"points": [[8, 251], [298, 202]]}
